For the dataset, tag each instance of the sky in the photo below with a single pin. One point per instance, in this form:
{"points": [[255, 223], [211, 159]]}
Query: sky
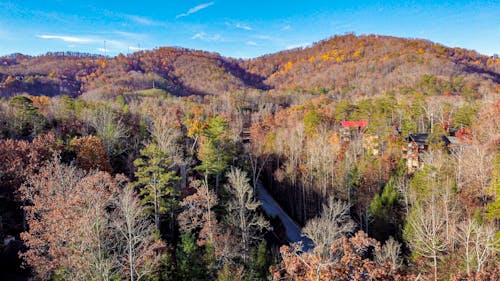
{"points": [[237, 28]]}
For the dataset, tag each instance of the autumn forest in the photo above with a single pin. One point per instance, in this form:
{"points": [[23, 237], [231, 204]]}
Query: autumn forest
{"points": [[361, 157]]}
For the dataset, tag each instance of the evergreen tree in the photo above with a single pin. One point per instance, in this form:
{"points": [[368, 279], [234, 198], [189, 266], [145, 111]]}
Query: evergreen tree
{"points": [[216, 149], [189, 261], [259, 262], [27, 119], [383, 210], [155, 179]]}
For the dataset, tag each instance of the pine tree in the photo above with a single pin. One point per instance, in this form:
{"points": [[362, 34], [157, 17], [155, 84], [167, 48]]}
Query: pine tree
{"points": [[189, 261], [215, 149], [383, 210], [155, 179]]}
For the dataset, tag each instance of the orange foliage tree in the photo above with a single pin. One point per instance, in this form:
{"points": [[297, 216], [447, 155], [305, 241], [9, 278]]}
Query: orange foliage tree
{"points": [[90, 153]]}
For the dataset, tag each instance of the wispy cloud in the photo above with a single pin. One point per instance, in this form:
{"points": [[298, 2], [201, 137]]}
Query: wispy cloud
{"points": [[195, 9], [109, 45], [243, 26], [286, 27], [207, 38], [69, 39], [251, 43], [143, 20], [239, 26]]}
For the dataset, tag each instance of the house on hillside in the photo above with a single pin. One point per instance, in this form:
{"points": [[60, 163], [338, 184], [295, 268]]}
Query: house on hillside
{"points": [[246, 120], [348, 128], [416, 144], [419, 143]]}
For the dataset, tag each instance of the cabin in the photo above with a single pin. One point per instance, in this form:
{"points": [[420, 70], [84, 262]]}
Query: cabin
{"points": [[419, 143], [348, 128], [246, 118]]}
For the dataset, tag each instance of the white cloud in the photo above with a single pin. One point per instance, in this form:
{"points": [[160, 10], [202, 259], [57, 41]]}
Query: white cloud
{"points": [[243, 26], [132, 48], [300, 45], [251, 43], [286, 27], [205, 37], [69, 39], [195, 9]]}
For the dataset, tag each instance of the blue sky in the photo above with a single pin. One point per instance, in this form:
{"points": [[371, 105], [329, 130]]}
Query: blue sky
{"points": [[237, 28]]}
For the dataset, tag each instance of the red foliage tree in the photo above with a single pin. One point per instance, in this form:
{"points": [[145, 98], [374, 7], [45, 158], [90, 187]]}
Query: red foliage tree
{"points": [[350, 261]]}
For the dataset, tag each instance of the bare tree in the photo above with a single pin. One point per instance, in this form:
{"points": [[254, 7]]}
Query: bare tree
{"points": [[167, 137], [465, 232], [475, 167], [479, 243], [242, 210], [426, 233], [390, 251], [136, 247], [95, 259], [109, 127], [486, 245], [333, 223]]}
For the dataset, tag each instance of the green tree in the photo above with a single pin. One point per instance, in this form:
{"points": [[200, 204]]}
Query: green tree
{"points": [[464, 116], [312, 120], [259, 262], [155, 179], [216, 149], [383, 210], [493, 208], [189, 259], [27, 119]]}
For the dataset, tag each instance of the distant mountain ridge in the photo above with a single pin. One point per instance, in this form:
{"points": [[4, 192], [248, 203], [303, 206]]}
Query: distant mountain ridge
{"points": [[347, 64]]}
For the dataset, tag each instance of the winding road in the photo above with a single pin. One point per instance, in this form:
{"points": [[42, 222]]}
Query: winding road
{"points": [[273, 209]]}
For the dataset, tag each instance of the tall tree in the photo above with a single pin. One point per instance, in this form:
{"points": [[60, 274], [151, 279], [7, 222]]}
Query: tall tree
{"points": [[82, 228], [215, 149], [139, 253], [155, 179], [426, 233], [242, 210], [198, 213]]}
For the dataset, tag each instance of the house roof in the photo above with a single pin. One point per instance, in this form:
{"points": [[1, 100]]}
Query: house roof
{"points": [[360, 123], [424, 139], [418, 138]]}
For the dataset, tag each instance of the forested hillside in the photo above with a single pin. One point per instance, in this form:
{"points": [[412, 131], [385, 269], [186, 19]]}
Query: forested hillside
{"points": [[342, 65], [386, 151]]}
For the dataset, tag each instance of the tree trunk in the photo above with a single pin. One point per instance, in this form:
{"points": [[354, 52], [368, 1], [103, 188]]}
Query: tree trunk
{"points": [[435, 267], [157, 214]]}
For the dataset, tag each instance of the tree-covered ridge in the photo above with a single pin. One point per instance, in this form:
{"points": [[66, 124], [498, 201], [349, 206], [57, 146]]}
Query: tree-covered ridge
{"points": [[346, 65]]}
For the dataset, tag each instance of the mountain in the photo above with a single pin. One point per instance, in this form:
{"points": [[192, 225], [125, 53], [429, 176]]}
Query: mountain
{"points": [[348, 64]]}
